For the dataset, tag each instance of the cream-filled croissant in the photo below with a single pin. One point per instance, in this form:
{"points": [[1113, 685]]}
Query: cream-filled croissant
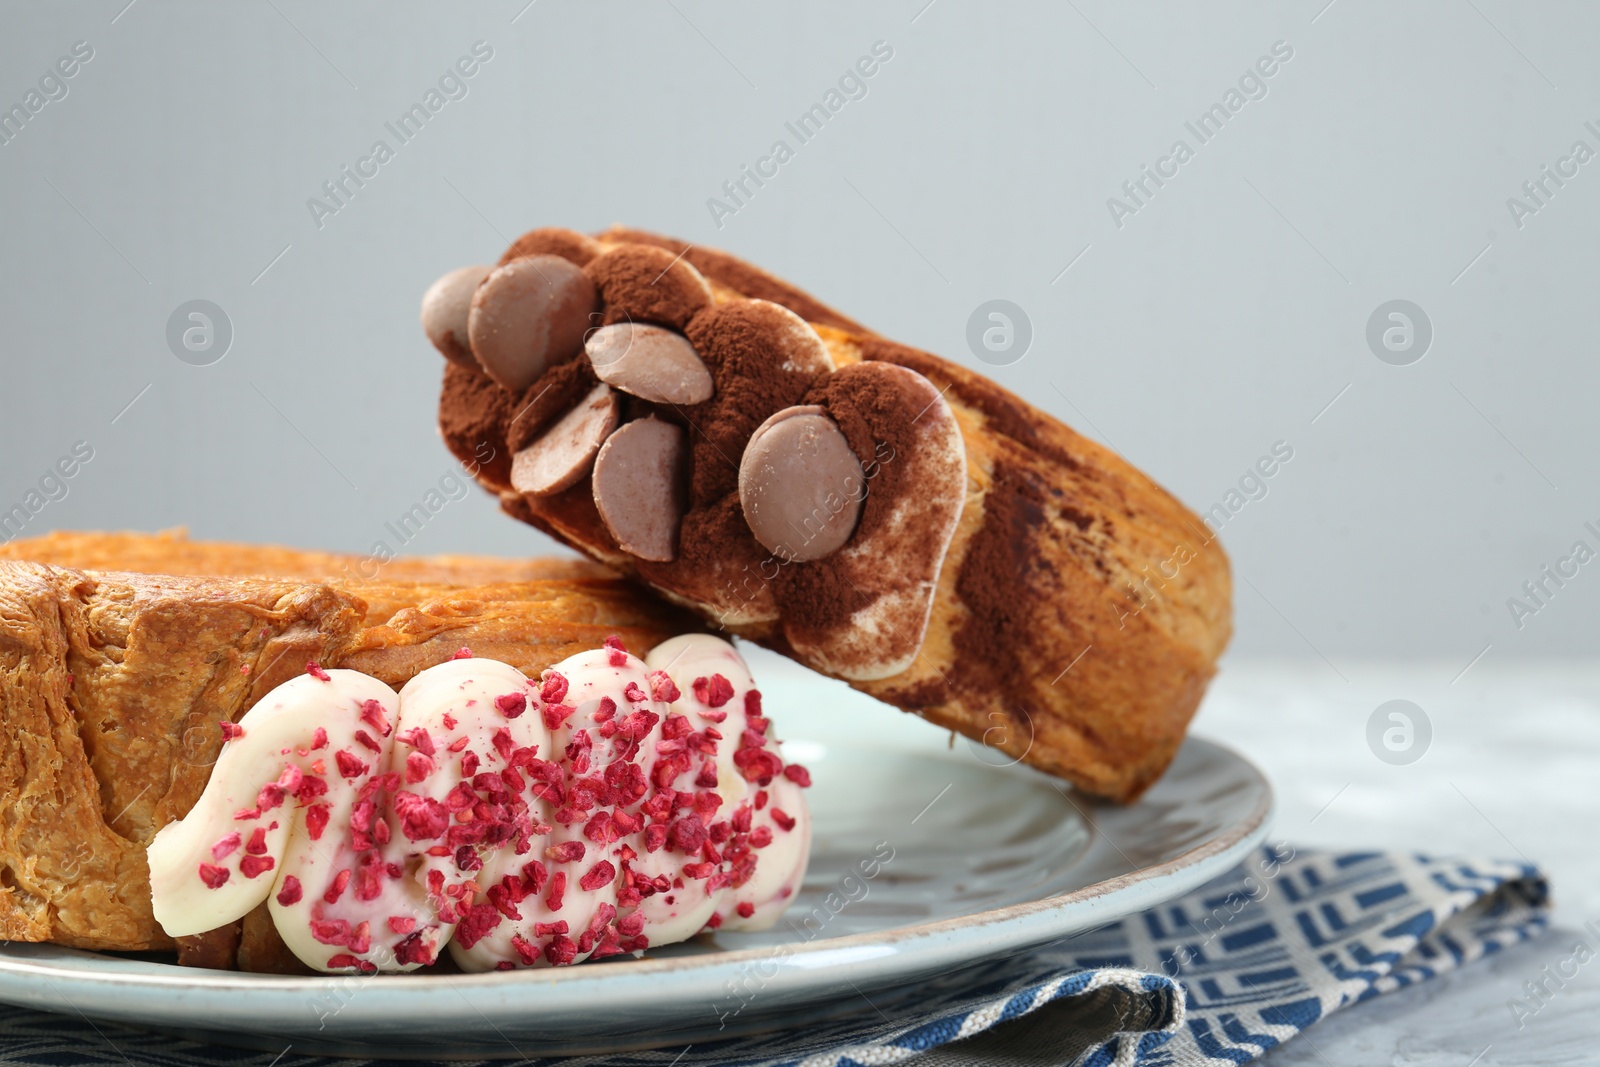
{"points": [[125, 659]]}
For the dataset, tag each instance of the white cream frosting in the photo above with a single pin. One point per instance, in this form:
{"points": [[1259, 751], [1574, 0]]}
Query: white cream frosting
{"points": [[611, 805]]}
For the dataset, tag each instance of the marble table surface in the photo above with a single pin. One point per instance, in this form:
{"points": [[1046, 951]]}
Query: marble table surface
{"points": [[1512, 770]]}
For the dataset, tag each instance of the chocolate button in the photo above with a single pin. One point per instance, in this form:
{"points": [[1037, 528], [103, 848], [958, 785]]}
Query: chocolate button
{"points": [[528, 314], [649, 362], [444, 313], [565, 453], [638, 490], [800, 485]]}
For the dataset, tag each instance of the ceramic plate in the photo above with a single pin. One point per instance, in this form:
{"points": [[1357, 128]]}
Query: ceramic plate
{"points": [[928, 857]]}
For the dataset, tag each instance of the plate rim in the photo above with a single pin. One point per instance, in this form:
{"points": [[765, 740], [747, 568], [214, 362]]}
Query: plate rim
{"points": [[1008, 925]]}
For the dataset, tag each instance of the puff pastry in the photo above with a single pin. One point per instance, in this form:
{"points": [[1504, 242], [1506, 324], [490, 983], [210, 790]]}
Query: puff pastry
{"points": [[113, 683], [878, 513]]}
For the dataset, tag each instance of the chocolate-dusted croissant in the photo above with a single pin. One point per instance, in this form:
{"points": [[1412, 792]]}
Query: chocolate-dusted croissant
{"points": [[877, 513]]}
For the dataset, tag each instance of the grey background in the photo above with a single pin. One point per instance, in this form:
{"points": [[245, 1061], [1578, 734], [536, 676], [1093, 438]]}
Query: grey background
{"points": [[1223, 317]]}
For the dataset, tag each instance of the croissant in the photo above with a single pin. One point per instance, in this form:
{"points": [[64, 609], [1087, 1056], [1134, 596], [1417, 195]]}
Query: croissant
{"points": [[877, 513], [120, 655]]}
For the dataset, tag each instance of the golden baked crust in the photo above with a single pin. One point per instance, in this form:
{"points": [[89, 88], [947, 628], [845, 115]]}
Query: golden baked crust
{"points": [[112, 686], [1080, 609], [171, 552]]}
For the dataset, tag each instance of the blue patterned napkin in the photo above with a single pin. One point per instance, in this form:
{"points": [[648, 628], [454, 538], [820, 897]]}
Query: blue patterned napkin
{"points": [[1216, 977]]}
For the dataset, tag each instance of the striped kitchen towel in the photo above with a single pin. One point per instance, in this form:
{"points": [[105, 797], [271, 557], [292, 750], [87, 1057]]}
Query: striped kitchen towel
{"points": [[1216, 977]]}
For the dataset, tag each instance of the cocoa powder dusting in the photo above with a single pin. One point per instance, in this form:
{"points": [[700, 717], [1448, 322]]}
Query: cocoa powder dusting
{"points": [[743, 351], [572, 246], [1006, 414], [742, 277], [472, 413], [879, 420], [715, 539], [556, 392], [711, 531], [1001, 563], [928, 693], [643, 284]]}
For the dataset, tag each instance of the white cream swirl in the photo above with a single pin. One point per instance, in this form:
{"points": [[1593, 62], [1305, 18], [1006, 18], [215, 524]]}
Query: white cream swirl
{"points": [[612, 805]]}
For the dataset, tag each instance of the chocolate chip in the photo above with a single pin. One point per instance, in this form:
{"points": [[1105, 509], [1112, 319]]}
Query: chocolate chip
{"points": [[800, 485], [645, 284], [649, 362], [528, 314], [444, 313], [566, 452], [638, 488], [571, 245]]}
